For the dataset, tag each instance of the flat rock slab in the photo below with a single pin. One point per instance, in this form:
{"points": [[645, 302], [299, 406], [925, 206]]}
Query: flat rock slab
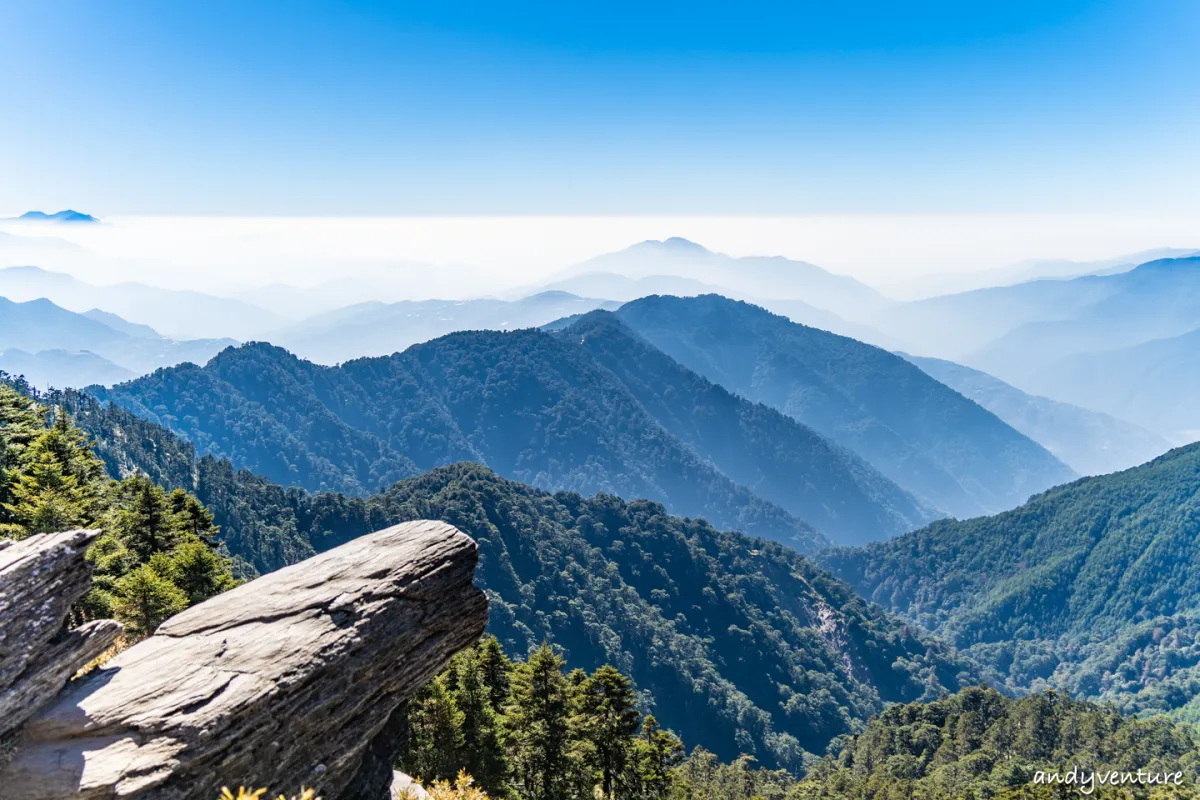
{"points": [[282, 682]]}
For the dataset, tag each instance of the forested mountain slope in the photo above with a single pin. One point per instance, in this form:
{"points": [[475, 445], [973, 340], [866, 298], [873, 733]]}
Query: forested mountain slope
{"points": [[755, 445], [981, 744], [1093, 587], [740, 643], [529, 405], [536, 407], [924, 436]]}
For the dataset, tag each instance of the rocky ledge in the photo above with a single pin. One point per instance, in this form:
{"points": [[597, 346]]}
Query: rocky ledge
{"points": [[294, 679], [40, 579]]}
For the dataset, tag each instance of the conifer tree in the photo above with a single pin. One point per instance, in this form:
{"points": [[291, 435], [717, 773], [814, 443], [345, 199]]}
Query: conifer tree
{"points": [[192, 517], [656, 753], [607, 718], [144, 599], [496, 668], [483, 755], [435, 733], [537, 725], [143, 520], [46, 496]]}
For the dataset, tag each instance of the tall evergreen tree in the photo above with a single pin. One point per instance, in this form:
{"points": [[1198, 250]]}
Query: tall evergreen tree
{"points": [[496, 668], [656, 754], [537, 724], [607, 718], [144, 520], [47, 495], [435, 734], [483, 754]]}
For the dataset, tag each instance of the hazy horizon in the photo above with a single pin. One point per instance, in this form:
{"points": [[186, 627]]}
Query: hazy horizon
{"points": [[475, 256]]}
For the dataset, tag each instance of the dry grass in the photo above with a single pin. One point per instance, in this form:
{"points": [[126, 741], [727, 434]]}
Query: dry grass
{"points": [[121, 644], [257, 794]]}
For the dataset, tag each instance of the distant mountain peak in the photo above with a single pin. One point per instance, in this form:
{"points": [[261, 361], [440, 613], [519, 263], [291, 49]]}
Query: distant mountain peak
{"points": [[553, 294], [1168, 264], [675, 244], [67, 215]]}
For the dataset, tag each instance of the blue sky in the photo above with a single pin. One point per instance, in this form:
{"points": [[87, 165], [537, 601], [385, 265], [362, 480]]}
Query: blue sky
{"points": [[753, 108]]}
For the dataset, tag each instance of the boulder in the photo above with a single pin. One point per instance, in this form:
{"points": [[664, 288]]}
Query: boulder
{"points": [[288, 681], [405, 788], [41, 577]]}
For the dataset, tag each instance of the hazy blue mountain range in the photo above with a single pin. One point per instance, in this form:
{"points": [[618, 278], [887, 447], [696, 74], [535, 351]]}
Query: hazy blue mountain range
{"points": [[754, 276], [174, 313], [1034, 269], [60, 368], [619, 287], [1156, 300], [1014, 332], [55, 347], [1093, 586], [926, 437], [538, 407], [58, 216], [376, 329], [1154, 384], [1089, 442], [954, 326]]}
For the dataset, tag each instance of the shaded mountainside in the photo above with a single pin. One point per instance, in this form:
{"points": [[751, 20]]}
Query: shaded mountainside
{"points": [[1093, 587], [741, 644], [536, 407], [755, 445], [1088, 441], [921, 434]]}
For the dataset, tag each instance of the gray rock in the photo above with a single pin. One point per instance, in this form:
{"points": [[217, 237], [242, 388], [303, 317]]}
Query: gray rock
{"points": [[285, 682], [41, 577], [405, 788]]}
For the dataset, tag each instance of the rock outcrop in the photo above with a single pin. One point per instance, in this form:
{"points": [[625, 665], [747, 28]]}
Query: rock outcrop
{"points": [[291, 680], [40, 579], [405, 788]]}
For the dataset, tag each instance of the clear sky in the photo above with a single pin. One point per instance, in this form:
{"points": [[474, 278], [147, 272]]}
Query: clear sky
{"points": [[493, 108]]}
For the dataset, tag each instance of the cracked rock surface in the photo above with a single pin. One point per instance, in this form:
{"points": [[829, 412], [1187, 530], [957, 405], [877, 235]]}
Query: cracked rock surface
{"points": [[286, 681], [40, 579]]}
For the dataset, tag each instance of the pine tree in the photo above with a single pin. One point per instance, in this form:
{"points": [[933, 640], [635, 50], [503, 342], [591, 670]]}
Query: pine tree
{"points": [[607, 718], [46, 497], [192, 517], [537, 726], [435, 734], [21, 422], [657, 752], [143, 518], [496, 668], [483, 755], [143, 599], [196, 569]]}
